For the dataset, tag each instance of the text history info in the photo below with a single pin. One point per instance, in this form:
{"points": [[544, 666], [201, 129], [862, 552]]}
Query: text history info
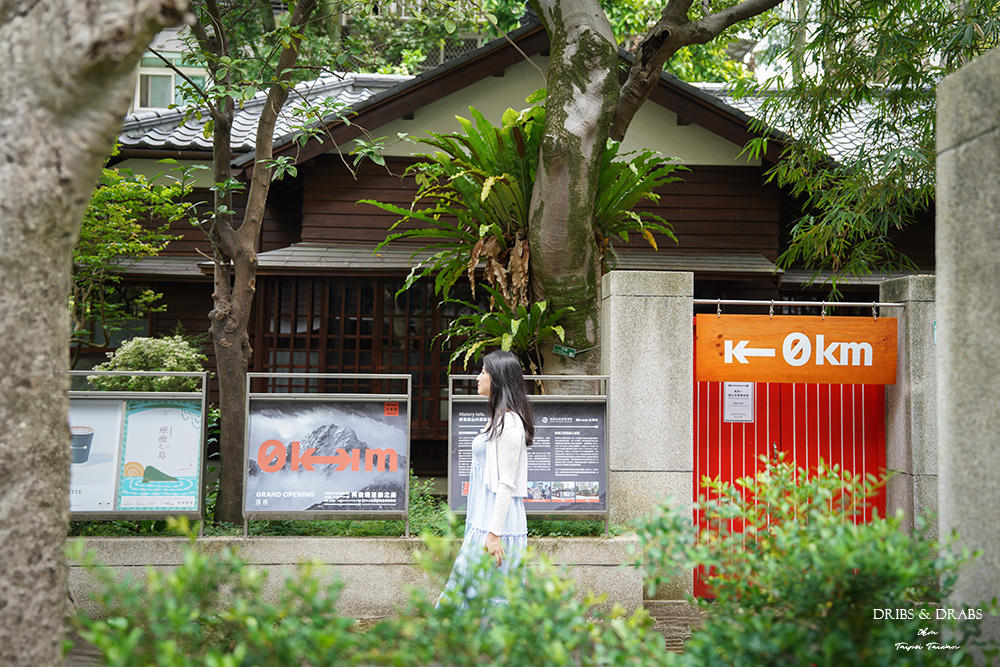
{"points": [[567, 464]]}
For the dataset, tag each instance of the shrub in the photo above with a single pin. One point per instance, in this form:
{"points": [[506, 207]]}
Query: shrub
{"points": [[210, 610], [542, 622], [170, 353], [801, 582]]}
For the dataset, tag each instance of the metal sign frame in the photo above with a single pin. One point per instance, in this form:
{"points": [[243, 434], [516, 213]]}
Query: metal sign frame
{"points": [[148, 395], [600, 397], [332, 398]]}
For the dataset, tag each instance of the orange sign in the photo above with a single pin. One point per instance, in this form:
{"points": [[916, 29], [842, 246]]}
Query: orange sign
{"points": [[760, 348]]}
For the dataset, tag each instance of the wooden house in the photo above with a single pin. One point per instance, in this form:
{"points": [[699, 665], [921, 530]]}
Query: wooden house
{"points": [[325, 302]]}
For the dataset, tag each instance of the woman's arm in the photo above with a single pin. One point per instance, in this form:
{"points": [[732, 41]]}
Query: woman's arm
{"points": [[509, 445]]}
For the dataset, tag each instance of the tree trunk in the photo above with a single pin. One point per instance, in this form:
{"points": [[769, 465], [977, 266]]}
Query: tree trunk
{"points": [[799, 38], [330, 13], [68, 78], [236, 275], [582, 93]]}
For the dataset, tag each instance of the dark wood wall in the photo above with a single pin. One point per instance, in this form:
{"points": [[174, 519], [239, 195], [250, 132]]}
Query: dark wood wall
{"points": [[279, 228], [713, 210], [717, 210], [330, 212]]}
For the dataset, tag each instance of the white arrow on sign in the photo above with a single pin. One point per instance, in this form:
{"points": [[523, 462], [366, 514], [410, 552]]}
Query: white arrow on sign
{"points": [[740, 352]]}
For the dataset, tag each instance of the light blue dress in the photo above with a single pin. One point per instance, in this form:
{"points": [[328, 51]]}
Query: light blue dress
{"points": [[479, 513]]}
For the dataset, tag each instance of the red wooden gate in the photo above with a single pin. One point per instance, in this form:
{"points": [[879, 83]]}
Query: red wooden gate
{"points": [[843, 424]]}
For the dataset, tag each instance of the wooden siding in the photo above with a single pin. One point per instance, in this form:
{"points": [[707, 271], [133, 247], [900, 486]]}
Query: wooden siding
{"points": [[719, 210], [279, 228], [330, 212], [715, 209]]}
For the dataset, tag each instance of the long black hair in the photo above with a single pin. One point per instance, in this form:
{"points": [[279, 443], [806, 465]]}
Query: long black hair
{"points": [[507, 393]]}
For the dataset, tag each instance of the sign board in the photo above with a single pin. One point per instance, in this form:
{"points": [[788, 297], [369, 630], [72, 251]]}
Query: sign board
{"points": [[339, 455], [161, 456], [95, 442], [567, 464], [737, 402], [135, 455], [760, 348]]}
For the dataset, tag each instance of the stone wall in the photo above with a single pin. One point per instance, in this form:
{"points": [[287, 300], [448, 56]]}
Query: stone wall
{"points": [[968, 323], [911, 404], [376, 572]]}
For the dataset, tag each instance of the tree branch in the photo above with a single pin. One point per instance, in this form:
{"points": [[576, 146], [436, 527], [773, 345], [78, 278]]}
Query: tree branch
{"points": [[264, 144], [676, 10], [673, 31], [267, 15], [217, 26], [200, 34], [710, 26]]}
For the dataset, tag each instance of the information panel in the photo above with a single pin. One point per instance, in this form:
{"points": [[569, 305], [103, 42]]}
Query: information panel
{"points": [[326, 456], [135, 455], [161, 456], [567, 466], [95, 428]]}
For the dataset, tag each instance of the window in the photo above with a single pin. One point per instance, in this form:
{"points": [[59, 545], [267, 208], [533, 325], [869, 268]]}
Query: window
{"points": [[156, 90], [160, 86]]}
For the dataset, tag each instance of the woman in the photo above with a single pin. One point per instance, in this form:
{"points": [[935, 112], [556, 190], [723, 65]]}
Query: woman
{"points": [[498, 482]]}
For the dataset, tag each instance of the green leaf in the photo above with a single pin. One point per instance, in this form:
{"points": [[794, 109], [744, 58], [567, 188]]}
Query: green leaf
{"points": [[537, 96]]}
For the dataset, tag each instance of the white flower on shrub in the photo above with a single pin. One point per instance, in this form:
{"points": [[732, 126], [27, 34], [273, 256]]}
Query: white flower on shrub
{"points": [[169, 353]]}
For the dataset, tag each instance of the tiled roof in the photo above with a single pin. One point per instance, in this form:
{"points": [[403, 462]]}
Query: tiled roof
{"points": [[800, 277], [155, 128], [635, 259], [162, 128], [175, 267], [356, 257], [839, 144]]}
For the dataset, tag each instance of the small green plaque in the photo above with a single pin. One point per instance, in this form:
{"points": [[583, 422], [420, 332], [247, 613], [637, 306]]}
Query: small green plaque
{"points": [[564, 351]]}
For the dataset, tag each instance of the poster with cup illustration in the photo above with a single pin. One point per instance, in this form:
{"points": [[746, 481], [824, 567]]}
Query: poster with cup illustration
{"points": [[95, 437], [161, 456]]}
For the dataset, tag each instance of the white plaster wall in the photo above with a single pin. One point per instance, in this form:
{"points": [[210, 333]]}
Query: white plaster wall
{"points": [[653, 127]]}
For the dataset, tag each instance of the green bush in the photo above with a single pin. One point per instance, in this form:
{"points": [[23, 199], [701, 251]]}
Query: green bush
{"points": [[210, 610], [170, 353], [801, 582]]}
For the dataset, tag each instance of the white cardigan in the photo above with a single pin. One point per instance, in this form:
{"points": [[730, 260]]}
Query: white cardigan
{"points": [[506, 468]]}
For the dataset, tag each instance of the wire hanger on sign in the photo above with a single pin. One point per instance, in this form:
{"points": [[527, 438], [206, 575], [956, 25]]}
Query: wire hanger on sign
{"points": [[718, 308], [770, 311]]}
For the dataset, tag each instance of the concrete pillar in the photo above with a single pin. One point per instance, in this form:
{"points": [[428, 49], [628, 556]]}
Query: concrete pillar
{"points": [[647, 350], [910, 404], [968, 323]]}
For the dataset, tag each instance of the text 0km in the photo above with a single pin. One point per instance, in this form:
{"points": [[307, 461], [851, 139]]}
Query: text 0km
{"points": [[272, 456], [797, 350], [760, 348]]}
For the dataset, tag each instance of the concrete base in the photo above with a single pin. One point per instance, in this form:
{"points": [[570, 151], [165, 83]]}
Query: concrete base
{"points": [[911, 403], [968, 317], [647, 351], [376, 572]]}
